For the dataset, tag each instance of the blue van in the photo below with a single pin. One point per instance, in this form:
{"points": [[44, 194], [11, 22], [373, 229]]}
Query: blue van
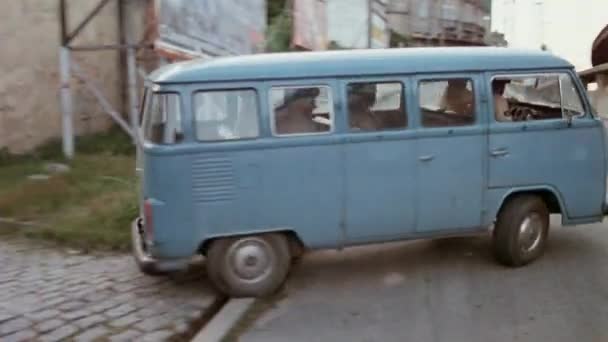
{"points": [[252, 160]]}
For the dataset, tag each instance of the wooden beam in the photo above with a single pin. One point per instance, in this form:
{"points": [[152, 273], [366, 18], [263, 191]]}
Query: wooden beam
{"points": [[109, 47], [86, 20], [63, 17]]}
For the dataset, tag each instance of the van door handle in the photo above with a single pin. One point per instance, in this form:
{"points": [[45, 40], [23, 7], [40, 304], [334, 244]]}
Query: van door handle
{"points": [[426, 158], [499, 152]]}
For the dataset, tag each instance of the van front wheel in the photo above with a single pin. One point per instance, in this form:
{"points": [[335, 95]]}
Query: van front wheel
{"points": [[521, 230], [249, 266]]}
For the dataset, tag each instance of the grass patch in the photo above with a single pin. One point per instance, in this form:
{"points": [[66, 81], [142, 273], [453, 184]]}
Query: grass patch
{"points": [[113, 141], [89, 207]]}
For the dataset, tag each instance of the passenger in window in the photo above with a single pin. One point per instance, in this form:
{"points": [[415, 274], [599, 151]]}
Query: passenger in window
{"points": [[361, 98], [501, 106], [457, 98], [295, 115]]}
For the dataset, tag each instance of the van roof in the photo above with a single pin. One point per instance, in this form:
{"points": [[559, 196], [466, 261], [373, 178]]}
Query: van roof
{"points": [[365, 62]]}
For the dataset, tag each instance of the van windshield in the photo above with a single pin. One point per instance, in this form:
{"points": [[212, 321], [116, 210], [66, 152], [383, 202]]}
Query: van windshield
{"points": [[535, 97], [162, 123], [545, 91]]}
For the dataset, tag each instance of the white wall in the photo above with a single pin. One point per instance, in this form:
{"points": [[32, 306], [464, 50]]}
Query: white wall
{"points": [[347, 22], [567, 27]]}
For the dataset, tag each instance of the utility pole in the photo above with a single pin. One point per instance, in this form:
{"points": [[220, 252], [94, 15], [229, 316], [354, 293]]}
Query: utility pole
{"points": [[541, 22], [441, 24], [369, 24], [67, 109]]}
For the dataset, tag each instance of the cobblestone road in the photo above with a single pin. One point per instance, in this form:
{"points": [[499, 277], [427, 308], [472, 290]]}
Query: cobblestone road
{"points": [[50, 295]]}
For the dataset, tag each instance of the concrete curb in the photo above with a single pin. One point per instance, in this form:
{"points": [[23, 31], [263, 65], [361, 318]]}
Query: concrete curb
{"points": [[221, 324]]}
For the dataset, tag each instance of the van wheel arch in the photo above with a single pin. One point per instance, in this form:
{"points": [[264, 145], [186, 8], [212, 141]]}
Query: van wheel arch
{"points": [[549, 197], [296, 246]]}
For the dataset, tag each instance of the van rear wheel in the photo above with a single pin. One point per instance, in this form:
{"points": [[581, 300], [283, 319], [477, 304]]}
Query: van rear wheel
{"points": [[249, 266], [521, 230]]}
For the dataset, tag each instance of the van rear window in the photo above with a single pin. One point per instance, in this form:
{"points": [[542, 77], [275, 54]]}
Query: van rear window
{"points": [[226, 114], [163, 118]]}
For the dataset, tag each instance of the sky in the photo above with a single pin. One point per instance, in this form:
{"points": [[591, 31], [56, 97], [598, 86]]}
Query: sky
{"points": [[567, 27]]}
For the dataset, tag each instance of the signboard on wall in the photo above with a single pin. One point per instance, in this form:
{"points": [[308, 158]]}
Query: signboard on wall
{"points": [[310, 24], [194, 28], [358, 24], [379, 37]]}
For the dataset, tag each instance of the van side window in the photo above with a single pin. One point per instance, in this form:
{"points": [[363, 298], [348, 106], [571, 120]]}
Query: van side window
{"points": [[445, 103], [571, 99], [301, 110], [376, 106], [226, 114], [534, 97], [162, 122]]}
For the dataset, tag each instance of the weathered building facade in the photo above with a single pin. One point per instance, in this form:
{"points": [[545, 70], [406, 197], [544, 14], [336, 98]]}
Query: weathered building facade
{"points": [[598, 74], [30, 111], [440, 22], [31, 36]]}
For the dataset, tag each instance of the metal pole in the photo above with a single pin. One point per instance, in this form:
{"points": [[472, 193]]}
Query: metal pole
{"points": [[369, 24], [63, 22], [103, 101], [132, 83], [86, 20], [66, 103], [122, 56], [67, 130], [133, 93], [541, 22]]}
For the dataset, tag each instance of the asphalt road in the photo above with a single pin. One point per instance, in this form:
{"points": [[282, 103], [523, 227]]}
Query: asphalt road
{"points": [[446, 290]]}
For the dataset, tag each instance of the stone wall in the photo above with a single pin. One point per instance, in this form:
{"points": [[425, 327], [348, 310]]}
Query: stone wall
{"points": [[29, 81]]}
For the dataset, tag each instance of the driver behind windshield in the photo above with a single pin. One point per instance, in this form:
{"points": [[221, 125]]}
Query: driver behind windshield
{"points": [[501, 106]]}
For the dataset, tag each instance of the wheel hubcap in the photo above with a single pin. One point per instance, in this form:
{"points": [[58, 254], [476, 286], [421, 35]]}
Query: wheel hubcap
{"points": [[530, 232], [250, 259]]}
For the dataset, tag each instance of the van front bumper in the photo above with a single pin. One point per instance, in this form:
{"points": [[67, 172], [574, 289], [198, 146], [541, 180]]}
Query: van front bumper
{"points": [[146, 262]]}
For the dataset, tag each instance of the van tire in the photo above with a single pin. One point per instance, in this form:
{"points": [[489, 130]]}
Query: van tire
{"points": [[249, 266], [521, 231]]}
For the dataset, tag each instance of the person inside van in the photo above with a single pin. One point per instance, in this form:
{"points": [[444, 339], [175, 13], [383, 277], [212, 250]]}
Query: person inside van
{"points": [[457, 98], [501, 106], [361, 98], [295, 115]]}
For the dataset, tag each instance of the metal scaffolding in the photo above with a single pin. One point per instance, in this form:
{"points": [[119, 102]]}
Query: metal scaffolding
{"points": [[70, 69]]}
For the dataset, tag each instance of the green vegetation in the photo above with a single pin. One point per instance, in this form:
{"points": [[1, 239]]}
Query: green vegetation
{"points": [[91, 206], [280, 26], [398, 40], [275, 7]]}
